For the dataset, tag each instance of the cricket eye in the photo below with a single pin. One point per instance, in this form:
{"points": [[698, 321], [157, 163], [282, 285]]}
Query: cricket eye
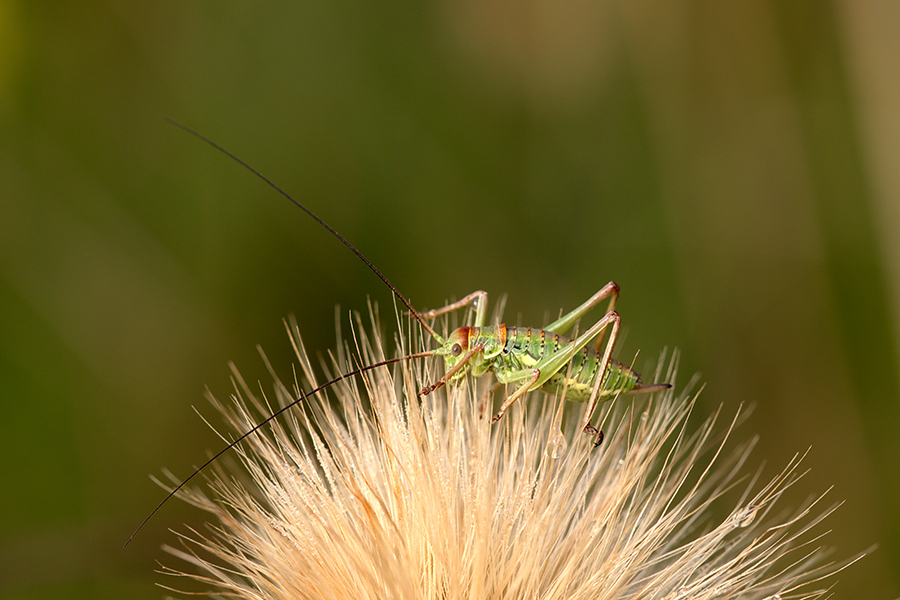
{"points": [[455, 349]]}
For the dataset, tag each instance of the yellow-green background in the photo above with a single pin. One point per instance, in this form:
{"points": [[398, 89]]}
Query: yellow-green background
{"points": [[733, 165]]}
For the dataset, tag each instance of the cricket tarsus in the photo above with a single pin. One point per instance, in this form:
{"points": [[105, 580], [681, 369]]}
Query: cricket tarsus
{"points": [[268, 419], [591, 430]]}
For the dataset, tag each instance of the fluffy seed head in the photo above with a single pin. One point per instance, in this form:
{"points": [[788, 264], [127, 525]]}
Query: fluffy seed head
{"points": [[370, 492]]}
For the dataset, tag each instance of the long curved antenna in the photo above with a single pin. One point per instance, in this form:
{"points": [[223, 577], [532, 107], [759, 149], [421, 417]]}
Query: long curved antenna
{"points": [[296, 203], [257, 427]]}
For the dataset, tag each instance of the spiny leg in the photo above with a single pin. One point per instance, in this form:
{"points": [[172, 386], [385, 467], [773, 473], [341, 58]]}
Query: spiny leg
{"points": [[601, 375], [554, 363], [549, 366], [488, 398], [477, 299], [561, 325], [534, 374], [450, 373]]}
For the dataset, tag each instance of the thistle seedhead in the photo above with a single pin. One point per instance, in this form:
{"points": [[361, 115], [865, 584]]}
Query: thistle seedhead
{"points": [[371, 492]]}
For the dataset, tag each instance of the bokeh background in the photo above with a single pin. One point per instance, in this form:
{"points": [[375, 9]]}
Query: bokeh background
{"points": [[732, 165]]}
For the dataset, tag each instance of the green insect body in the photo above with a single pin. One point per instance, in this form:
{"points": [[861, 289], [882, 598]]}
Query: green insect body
{"points": [[509, 350], [541, 358]]}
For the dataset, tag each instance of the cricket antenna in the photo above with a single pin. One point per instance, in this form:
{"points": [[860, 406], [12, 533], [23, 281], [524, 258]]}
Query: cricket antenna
{"points": [[268, 419], [328, 227]]}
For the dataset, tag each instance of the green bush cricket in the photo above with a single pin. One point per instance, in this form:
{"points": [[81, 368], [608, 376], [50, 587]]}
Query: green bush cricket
{"points": [[529, 357], [541, 358]]}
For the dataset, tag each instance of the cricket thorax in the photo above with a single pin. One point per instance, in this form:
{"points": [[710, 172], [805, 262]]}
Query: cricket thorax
{"points": [[481, 344]]}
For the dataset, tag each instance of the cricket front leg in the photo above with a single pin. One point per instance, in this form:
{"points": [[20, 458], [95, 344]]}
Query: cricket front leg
{"points": [[451, 372], [478, 300]]}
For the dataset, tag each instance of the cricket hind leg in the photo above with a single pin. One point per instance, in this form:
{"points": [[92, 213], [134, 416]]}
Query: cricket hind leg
{"points": [[561, 325], [541, 372], [601, 374], [545, 368], [610, 320]]}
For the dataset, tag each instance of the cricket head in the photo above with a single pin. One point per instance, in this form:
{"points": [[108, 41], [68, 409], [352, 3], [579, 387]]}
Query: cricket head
{"points": [[457, 357], [455, 350]]}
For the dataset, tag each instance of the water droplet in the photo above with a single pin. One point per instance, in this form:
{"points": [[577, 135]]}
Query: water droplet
{"points": [[597, 529], [744, 516], [557, 445], [678, 594], [644, 416]]}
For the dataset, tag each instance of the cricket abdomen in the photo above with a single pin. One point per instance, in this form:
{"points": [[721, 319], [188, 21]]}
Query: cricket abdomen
{"points": [[617, 380], [524, 347]]}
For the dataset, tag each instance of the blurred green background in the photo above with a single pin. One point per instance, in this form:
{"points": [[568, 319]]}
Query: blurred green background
{"points": [[732, 165]]}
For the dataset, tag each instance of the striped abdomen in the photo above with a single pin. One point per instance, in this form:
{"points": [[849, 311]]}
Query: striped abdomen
{"points": [[523, 347]]}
